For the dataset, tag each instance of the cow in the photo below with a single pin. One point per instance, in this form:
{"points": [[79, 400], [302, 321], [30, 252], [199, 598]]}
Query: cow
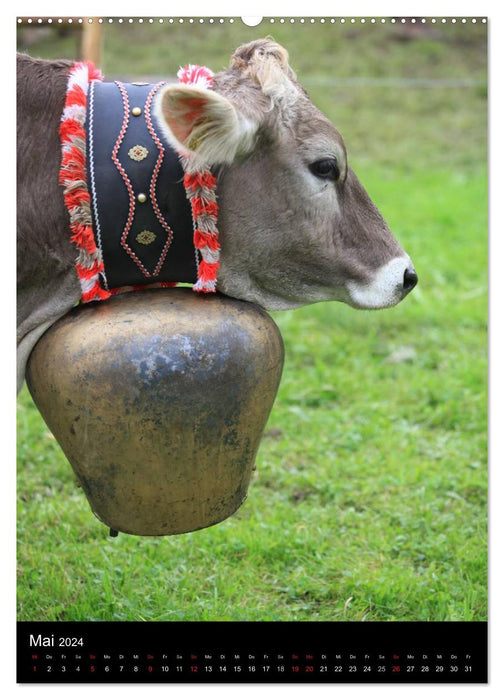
{"points": [[295, 224]]}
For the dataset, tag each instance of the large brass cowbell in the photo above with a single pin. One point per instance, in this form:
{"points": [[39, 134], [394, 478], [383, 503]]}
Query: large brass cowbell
{"points": [[159, 399]]}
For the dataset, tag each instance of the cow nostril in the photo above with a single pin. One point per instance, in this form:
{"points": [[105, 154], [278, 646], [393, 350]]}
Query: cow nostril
{"points": [[410, 279]]}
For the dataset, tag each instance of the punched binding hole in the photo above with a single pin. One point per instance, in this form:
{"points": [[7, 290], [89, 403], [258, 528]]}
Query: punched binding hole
{"points": [[252, 21]]}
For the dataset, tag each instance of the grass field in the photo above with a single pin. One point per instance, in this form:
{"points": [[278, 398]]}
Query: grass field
{"points": [[369, 500]]}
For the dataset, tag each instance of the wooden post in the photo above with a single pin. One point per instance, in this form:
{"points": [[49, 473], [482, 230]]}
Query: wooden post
{"points": [[91, 43]]}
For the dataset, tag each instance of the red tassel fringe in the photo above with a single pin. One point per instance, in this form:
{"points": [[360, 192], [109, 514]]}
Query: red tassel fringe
{"points": [[72, 173]]}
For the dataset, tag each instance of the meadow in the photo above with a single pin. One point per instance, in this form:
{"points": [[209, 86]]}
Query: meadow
{"points": [[369, 499]]}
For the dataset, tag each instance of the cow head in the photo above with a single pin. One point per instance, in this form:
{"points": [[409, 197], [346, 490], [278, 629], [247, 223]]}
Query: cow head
{"points": [[296, 226]]}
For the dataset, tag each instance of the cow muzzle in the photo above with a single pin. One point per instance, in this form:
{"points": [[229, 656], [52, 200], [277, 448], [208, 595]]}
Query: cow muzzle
{"points": [[387, 287]]}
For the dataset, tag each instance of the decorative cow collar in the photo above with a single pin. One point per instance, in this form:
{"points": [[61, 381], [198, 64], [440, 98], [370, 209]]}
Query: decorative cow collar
{"points": [[140, 214]]}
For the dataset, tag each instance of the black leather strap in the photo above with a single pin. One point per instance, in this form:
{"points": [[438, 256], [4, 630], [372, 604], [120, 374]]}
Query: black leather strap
{"points": [[127, 161]]}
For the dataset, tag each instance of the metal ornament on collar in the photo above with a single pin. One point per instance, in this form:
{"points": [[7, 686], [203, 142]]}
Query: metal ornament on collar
{"points": [[153, 211]]}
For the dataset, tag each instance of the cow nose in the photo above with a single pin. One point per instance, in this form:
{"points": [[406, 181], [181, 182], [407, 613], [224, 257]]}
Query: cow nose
{"points": [[410, 279]]}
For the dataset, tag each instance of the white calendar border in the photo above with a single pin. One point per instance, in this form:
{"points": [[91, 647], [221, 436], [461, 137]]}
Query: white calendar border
{"points": [[288, 9]]}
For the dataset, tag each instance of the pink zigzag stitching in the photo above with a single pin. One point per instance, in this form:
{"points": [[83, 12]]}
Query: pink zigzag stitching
{"points": [[155, 174], [127, 182]]}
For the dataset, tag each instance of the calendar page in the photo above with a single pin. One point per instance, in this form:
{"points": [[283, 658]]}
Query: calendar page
{"points": [[252, 367]]}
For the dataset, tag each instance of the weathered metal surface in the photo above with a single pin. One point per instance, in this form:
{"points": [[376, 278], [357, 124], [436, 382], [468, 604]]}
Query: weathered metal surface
{"points": [[159, 400]]}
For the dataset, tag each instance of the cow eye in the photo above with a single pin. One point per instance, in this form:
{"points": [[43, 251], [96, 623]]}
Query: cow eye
{"points": [[326, 169]]}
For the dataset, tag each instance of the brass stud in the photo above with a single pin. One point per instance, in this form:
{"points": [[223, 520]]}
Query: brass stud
{"points": [[142, 197], [136, 111]]}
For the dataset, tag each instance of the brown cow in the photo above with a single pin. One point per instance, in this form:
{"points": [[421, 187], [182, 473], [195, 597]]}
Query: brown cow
{"points": [[296, 226]]}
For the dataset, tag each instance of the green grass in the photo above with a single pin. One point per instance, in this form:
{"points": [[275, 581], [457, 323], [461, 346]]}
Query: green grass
{"points": [[369, 501]]}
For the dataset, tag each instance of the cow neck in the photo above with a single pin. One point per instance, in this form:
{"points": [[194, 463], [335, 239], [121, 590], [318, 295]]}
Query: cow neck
{"points": [[141, 214]]}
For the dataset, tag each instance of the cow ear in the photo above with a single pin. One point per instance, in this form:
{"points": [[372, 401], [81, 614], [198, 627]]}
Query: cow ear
{"points": [[199, 121]]}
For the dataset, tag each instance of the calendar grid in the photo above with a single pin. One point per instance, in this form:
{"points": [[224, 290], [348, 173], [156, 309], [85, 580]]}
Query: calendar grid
{"points": [[255, 652]]}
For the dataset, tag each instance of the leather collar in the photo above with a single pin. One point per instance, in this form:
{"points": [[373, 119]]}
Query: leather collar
{"points": [[141, 216]]}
